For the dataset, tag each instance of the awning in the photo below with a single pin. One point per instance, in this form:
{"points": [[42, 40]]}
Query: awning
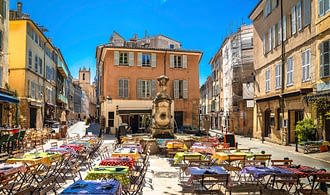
{"points": [[8, 98]]}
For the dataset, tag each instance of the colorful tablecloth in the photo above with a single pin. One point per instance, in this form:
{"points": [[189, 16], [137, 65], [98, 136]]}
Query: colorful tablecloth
{"points": [[303, 171], [118, 161], [175, 145], [62, 150], [180, 156], [202, 149], [120, 173], [222, 156], [137, 146], [197, 172], [126, 152], [45, 158], [6, 169], [111, 187], [74, 146], [259, 172], [86, 144]]}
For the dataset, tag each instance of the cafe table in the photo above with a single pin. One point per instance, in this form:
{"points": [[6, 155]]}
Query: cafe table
{"points": [[77, 148], [202, 148], [175, 145], [45, 158], [223, 156], [120, 173], [86, 144], [6, 169], [126, 152], [198, 172], [118, 161], [133, 145], [181, 156], [62, 150], [111, 187]]}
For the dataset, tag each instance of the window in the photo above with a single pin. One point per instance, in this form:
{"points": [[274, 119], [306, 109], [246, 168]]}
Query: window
{"points": [[324, 7], [325, 58], [1, 40], [3, 9], [180, 89], [177, 61], [40, 94], [307, 12], [36, 38], [123, 88], [289, 72], [146, 59], [40, 65], [293, 20], [171, 46], [146, 88], [279, 32], [278, 73], [111, 118], [299, 20], [270, 39], [306, 62], [83, 76], [267, 80], [273, 36], [36, 60], [284, 28], [267, 8], [33, 92], [264, 43], [123, 58], [30, 59]]}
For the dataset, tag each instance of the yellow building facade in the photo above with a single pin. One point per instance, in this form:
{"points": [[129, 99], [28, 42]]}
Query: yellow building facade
{"points": [[32, 66]]}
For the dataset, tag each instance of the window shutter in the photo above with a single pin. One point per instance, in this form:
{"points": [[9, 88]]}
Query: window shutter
{"points": [[185, 89], [120, 88], [307, 12], [153, 88], [171, 61], [139, 59], [279, 32], [116, 57], [299, 19], [176, 88], [131, 58], [293, 20], [184, 61], [321, 9], [139, 88], [153, 60], [273, 36], [284, 28], [303, 59], [125, 88]]}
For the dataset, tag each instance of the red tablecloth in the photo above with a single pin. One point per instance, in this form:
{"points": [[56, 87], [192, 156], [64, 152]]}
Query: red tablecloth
{"points": [[303, 171], [77, 148], [118, 161], [6, 169]]}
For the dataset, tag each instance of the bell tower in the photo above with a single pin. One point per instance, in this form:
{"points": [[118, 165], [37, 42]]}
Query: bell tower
{"points": [[84, 76]]}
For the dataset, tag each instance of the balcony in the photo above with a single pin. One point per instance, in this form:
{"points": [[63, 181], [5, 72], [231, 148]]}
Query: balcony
{"points": [[62, 98], [62, 69]]}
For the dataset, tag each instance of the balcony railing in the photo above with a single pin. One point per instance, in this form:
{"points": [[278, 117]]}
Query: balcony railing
{"points": [[62, 98], [62, 69]]}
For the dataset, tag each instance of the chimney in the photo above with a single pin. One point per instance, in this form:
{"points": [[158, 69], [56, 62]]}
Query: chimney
{"points": [[19, 8]]}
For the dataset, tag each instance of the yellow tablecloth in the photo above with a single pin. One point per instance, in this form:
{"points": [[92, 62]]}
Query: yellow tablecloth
{"points": [[222, 156], [179, 156], [126, 152], [38, 157], [175, 145], [110, 172]]}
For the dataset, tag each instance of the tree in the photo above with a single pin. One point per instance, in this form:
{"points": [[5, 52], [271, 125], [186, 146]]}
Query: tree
{"points": [[305, 130]]}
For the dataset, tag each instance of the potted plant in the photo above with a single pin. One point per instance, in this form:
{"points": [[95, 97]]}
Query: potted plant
{"points": [[305, 130]]}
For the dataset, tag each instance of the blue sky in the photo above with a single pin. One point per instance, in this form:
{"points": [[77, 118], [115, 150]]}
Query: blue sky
{"points": [[78, 26]]}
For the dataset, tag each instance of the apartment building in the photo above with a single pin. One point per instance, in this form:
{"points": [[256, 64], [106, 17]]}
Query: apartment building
{"points": [[35, 66], [232, 68], [292, 66], [8, 99], [127, 73]]}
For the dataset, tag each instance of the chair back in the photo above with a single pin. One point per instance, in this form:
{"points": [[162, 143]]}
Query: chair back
{"points": [[285, 162], [235, 157], [264, 157], [53, 144]]}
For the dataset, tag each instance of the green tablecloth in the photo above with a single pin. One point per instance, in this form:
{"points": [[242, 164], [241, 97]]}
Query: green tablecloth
{"points": [[179, 156], [110, 172]]}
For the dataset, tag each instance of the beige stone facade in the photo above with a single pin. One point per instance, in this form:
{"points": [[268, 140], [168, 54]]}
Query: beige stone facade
{"points": [[286, 61]]}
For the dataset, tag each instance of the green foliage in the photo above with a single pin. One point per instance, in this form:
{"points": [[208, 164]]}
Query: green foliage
{"points": [[305, 130]]}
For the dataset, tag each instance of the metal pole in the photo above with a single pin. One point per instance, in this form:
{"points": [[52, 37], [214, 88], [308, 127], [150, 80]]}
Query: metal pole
{"points": [[199, 121]]}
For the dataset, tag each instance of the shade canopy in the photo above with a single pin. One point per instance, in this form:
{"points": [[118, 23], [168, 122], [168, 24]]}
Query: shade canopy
{"points": [[8, 98]]}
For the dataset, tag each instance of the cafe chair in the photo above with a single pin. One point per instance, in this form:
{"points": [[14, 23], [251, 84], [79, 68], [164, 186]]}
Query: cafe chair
{"points": [[283, 184], [285, 162], [54, 145], [210, 184], [318, 179], [264, 157]]}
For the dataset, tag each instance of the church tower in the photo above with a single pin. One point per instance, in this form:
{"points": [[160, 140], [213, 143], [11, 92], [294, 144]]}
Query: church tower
{"points": [[84, 76]]}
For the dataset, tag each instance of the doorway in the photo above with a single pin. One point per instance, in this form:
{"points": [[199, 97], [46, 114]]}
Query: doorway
{"points": [[267, 129], [294, 117], [178, 117], [33, 117], [134, 122]]}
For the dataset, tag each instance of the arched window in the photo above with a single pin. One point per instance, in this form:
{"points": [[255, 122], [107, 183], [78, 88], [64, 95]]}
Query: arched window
{"points": [[83, 76]]}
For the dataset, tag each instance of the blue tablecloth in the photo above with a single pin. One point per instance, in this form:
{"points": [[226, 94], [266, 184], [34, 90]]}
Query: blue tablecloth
{"points": [[259, 172], [94, 187], [211, 170]]}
